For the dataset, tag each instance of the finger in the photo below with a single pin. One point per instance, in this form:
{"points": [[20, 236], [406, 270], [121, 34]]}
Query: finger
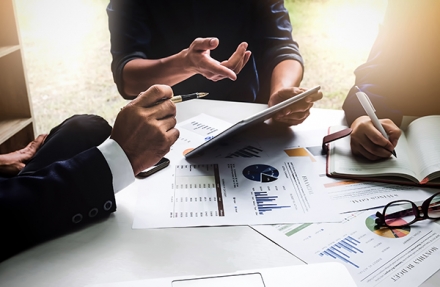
{"points": [[236, 60], [33, 146], [283, 95], [173, 135], [242, 63], [164, 110], [370, 149], [167, 124], [213, 67], [204, 44], [154, 95], [292, 119], [392, 130], [378, 140], [314, 97], [361, 151], [295, 111]]}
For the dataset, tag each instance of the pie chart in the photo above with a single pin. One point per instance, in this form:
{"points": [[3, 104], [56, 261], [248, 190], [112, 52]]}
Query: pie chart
{"points": [[398, 232], [261, 173]]}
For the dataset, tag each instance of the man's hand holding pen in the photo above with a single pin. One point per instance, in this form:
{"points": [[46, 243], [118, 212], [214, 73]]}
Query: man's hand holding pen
{"points": [[145, 127]]}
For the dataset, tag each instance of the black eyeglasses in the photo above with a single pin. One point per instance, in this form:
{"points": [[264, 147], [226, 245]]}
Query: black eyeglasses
{"points": [[401, 213]]}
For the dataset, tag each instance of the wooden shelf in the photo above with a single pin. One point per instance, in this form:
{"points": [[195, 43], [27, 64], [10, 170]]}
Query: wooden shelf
{"points": [[6, 50], [17, 128], [8, 128]]}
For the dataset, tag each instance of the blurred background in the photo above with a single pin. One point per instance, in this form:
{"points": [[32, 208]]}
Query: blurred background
{"points": [[66, 46]]}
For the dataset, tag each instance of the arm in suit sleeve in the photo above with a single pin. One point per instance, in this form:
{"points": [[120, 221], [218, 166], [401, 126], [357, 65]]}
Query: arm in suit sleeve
{"points": [[59, 198]]}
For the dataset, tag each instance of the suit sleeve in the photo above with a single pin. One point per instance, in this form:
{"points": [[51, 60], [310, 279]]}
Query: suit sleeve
{"points": [[54, 200]]}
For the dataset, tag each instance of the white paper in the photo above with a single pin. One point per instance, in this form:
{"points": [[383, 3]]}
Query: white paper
{"points": [[233, 192], [353, 195], [402, 257]]}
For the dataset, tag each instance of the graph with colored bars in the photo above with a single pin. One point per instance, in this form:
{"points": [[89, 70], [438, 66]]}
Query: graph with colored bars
{"points": [[248, 151], [197, 191], [344, 250], [266, 202]]}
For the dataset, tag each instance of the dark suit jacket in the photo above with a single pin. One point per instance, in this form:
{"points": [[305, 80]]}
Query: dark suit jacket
{"points": [[54, 200]]}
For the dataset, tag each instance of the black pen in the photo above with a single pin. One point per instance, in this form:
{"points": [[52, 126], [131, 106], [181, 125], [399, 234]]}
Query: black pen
{"points": [[181, 98]]}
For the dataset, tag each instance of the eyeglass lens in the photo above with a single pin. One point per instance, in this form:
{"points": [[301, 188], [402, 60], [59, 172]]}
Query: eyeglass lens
{"points": [[399, 213], [434, 207], [403, 212]]}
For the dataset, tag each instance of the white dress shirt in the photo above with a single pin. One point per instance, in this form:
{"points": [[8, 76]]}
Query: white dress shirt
{"points": [[119, 164]]}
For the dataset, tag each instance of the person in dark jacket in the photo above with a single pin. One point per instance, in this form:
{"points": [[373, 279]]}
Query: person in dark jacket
{"points": [[400, 77], [63, 181], [235, 50]]}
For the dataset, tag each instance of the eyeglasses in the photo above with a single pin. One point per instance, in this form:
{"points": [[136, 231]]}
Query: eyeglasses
{"points": [[401, 213]]}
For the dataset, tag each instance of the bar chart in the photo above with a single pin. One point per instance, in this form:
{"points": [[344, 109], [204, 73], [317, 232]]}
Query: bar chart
{"points": [[344, 250]]}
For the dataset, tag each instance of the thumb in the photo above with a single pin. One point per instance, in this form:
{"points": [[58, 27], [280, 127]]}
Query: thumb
{"points": [[34, 145], [205, 43]]}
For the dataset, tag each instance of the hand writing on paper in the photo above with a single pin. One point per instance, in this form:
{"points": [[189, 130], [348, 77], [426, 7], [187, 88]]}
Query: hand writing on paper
{"points": [[367, 141]]}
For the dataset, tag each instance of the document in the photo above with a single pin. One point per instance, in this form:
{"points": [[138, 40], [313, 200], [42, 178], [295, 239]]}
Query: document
{"points": [[417, 162], [403, 257], [233, 192], [354, 195], [279, 150]]}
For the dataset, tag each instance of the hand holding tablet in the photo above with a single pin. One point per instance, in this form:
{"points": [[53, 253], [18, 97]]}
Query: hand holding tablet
{"points": [[250, 121]]}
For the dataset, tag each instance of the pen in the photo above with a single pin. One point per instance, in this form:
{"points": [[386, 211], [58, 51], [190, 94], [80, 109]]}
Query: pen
{"points": [[181, 98], [369, 109]]}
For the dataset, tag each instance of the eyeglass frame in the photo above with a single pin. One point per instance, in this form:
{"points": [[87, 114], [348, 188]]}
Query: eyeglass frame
{"points": [[380, 217]]}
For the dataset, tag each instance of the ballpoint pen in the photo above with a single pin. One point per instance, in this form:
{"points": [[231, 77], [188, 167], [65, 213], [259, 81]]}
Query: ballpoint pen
{"points": [[370, 110], [181, 98]]}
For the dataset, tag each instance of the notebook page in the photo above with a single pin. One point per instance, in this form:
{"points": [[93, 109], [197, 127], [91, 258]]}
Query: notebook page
{"points": [[423, 136], [343, 162]]}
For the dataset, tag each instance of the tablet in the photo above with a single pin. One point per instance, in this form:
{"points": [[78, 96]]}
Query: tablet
{"points": [[250, 121]]}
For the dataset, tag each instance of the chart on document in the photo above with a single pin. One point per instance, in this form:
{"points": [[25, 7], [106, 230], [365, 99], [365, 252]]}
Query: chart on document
{"points": [[234, 192], [197, 192], [374, 256]]}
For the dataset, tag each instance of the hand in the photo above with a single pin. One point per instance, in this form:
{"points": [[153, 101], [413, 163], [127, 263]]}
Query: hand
{"points": [[297, 112], [145, 127], [368, 142], [12, 163], [199, 60]]}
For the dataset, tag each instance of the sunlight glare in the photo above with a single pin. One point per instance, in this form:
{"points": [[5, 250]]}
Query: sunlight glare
{"points": [[61, 25], [354, 24]]}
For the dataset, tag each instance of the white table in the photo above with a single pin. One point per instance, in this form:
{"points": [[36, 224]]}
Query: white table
{"points": [[111, 251]]}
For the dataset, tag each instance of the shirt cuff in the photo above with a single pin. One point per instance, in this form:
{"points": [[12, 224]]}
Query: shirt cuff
{"points": [[118, 163]]}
